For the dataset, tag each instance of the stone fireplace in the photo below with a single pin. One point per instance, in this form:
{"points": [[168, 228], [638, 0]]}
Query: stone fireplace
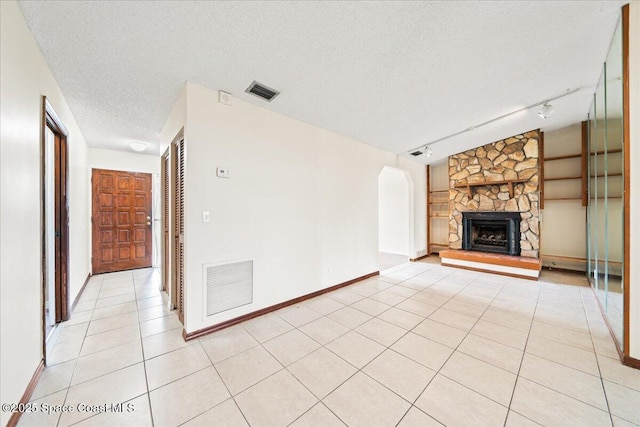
{"points": [[502, 177]]}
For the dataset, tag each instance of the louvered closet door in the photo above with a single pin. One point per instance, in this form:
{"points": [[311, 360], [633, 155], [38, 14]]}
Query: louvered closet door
{"points": [[166, 203], [179, 171]]}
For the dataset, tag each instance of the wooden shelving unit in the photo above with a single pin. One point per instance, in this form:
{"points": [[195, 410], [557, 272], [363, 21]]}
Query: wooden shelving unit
{"points": [[437, 210], [563, 177]]}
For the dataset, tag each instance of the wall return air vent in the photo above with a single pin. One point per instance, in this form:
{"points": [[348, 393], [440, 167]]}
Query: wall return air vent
{"points": [[262, 91], [227, 286]]}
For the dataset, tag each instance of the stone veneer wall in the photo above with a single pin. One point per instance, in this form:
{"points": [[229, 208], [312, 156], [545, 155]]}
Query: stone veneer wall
{"points": [[507, 159]]}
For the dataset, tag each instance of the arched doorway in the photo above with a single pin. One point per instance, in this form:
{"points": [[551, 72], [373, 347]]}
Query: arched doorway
{"points": [[395, 217]]}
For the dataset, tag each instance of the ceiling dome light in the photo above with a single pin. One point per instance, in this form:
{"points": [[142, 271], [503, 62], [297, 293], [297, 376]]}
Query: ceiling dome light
{"points": [[546, 111], [137, 146]]}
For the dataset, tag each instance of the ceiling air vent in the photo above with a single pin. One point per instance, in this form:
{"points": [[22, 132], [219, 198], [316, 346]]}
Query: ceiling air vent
{"points": [[262, 91], [416, 153]]}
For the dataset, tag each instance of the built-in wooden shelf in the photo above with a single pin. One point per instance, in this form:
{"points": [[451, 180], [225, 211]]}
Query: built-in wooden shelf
{"points": [[567, 156], [471, 185], [579, 198], [437, 211], [562, 178], [617, 150], [608, 175]]}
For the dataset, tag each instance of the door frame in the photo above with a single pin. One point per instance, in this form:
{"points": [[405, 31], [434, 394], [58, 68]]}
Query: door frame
{"points": [[52, 121]]}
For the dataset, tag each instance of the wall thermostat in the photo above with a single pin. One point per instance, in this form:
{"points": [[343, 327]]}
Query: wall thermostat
{"points": [[223, 173], [224, 97]]}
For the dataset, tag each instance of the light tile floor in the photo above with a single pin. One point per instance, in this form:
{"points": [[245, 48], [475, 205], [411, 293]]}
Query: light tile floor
{"points": [[420, 345]]}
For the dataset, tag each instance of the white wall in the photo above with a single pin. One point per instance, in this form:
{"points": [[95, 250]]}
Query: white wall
{"points": [[393, 211], [634, 155], [301, 201], [133, 162], [175, 122], [24, 79], [418, 212], [123, 161]]}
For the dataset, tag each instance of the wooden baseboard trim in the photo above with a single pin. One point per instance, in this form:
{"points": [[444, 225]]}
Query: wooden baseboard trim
{"points": [[84, 285], [563, 270], [625, 359], [419, 258], [15, 417], [631, 362], [228, 323]]}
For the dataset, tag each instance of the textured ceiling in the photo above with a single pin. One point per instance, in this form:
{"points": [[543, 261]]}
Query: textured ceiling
{"points": [[395, 75]]}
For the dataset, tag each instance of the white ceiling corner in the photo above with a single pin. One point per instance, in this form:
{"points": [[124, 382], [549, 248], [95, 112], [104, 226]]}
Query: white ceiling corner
{"points": [[392, 74]]}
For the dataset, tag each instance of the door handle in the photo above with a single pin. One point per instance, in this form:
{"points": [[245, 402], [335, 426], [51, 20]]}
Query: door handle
{"points": [[148, 218], [148, 223]]}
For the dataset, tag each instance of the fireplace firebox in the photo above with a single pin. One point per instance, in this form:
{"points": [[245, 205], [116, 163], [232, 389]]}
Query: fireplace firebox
{"points": [[497, 232]]}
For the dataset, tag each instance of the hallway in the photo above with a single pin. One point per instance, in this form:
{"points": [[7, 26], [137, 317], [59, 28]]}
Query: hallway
{"points": [[419, 345]]}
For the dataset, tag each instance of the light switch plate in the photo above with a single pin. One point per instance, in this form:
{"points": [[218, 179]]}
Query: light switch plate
{"points": [[205, 216], [223, 173]]}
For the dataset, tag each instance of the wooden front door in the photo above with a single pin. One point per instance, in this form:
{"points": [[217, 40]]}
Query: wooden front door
{"points": [[121, 220]]}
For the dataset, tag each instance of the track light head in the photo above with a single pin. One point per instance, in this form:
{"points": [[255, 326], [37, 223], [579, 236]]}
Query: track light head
{"points": [[546, 111]]}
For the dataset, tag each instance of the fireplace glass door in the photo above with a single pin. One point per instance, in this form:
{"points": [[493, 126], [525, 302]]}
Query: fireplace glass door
{"points": [[497, 232]]}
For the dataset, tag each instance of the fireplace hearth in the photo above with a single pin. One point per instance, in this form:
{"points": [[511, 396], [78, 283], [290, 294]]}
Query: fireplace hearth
{"points": [[496, 232]]}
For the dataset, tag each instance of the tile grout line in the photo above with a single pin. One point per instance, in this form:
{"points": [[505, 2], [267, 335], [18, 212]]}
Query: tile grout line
{"points": [[524, 350], [77, 358], [542, 292], [604, 389], [454, 351], [412, 404], [321, 346], [144, 360], [231, 396], [569, 367], [361, 370]]}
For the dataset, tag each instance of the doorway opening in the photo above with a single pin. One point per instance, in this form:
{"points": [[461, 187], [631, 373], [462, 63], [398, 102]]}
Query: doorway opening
{"points": [[395, 217], [54, 223]]}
